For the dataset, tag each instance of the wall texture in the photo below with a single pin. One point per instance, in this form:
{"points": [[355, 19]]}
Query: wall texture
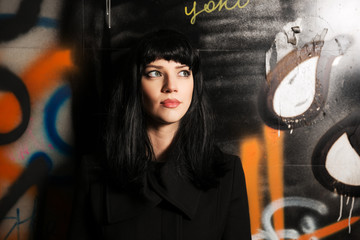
{"points": [[283, 77]]}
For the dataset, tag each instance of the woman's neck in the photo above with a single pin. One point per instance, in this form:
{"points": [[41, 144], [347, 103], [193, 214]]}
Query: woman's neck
{"points": [[161, 138]]}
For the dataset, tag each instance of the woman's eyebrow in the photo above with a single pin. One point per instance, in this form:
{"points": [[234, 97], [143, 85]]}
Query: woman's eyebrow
{"points": [[153, 66], [182, 66]]}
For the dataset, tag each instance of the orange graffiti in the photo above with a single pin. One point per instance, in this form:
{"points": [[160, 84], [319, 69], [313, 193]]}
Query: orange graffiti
{"points": [[42, 73], [10, 112], [38, 77], [8, 170], [274, 149], [329, 230], [251, 154]]}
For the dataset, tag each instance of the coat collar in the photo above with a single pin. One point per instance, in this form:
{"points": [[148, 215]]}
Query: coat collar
{"points": [[165, 185], [176, 190], [121, 205]]}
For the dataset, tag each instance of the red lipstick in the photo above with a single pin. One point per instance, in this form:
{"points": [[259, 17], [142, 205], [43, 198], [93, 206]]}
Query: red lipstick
{"points": [[170, 103]]}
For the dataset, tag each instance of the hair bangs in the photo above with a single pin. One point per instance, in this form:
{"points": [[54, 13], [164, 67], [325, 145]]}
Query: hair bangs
{"points": [[171, 47]]}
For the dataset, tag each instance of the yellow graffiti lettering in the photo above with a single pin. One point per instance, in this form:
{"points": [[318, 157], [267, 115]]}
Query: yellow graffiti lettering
{"points": [[193, 12], [207, 8], [212, 6]]}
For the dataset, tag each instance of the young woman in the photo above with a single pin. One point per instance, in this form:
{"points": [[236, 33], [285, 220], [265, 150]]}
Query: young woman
{"points": [[162, 176]]}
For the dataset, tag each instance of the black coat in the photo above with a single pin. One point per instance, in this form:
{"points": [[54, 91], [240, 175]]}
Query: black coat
{"points": [[171, 209]]}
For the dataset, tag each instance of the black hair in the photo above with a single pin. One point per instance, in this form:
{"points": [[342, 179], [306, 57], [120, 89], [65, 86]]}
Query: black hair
{"points": [[128, 148]]}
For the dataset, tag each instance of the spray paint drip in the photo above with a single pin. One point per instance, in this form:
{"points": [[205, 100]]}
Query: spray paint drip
{"points": [[341, 207], [350, 212]]}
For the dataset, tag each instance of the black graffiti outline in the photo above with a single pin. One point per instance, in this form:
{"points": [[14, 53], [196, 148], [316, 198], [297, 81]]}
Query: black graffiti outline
{"points": [[322, 77], [12, 83], [351, 126], [34, 174], [24, 19]]}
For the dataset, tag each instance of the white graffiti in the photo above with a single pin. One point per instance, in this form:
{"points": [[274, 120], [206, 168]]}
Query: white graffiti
{"points": [[308, 224]]}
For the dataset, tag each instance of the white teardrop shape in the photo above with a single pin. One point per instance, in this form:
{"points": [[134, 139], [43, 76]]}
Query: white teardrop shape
{"points": [[296, 91], [343, 162]]}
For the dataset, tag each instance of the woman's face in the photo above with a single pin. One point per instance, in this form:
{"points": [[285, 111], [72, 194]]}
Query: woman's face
{"points": [[167, 88]]}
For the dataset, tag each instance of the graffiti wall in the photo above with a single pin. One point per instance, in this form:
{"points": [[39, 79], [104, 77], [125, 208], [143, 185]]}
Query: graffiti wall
{"points": [[283, 77], [35, 121]]}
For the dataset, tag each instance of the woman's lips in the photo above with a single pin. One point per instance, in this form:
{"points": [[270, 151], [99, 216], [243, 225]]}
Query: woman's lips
{"points": [[170, 103]]}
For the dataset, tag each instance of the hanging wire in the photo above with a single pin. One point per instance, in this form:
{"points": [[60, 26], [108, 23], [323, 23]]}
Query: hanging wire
{"points": [[108, 12]]}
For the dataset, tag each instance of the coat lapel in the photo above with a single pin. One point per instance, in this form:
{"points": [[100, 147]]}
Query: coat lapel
{"points": [[122, 205], [167, 185], [176, 190]]}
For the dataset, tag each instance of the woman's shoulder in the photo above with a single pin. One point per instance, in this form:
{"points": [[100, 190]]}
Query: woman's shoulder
{"points": [[230, 163], [226, 158], [230, 158]]}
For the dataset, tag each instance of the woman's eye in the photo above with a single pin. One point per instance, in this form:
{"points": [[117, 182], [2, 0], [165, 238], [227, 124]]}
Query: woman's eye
{"points": [[184, 73], [154, 74]]}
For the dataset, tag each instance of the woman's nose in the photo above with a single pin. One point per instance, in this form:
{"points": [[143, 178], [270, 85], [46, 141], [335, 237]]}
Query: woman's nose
{"points": [[170, 84]]}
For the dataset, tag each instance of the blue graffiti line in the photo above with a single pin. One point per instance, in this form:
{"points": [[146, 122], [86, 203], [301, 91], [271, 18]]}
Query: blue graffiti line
{"points": [[42, 155], [50, 115], [42, 21], [18, 222]]}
